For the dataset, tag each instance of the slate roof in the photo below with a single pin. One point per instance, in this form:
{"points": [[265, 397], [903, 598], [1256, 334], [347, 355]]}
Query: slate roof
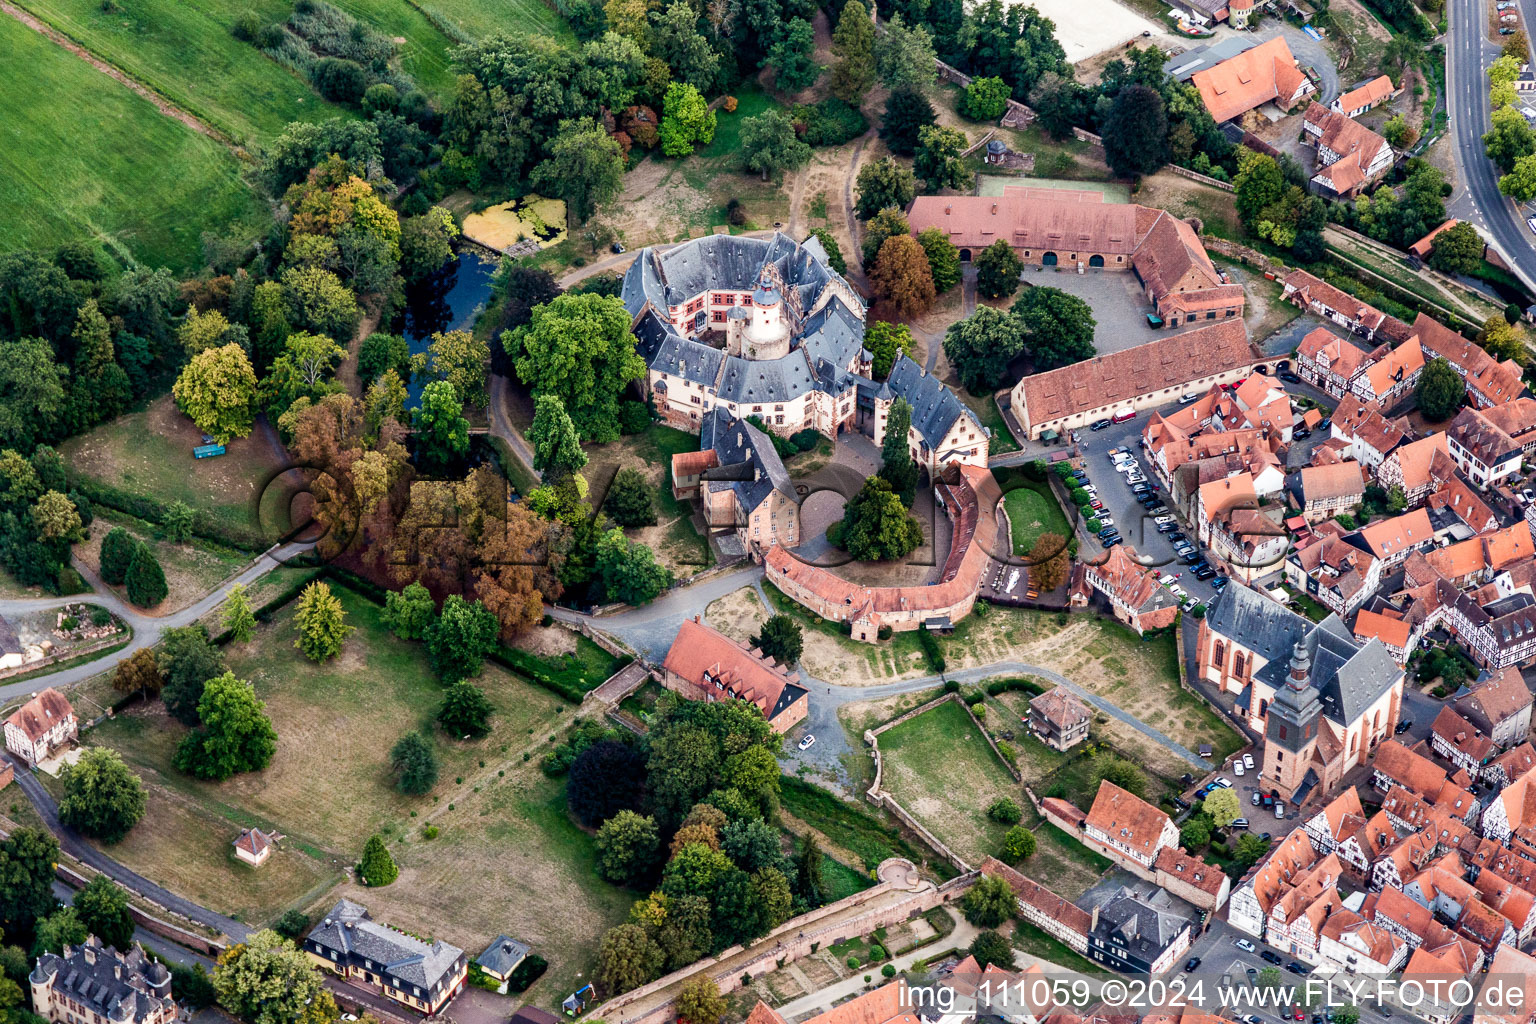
{"points": [[124, 988], [1349, 676], [1147, 930], [748, 462], [934, 407], [503, 955], [353, 935], [10, 643]]}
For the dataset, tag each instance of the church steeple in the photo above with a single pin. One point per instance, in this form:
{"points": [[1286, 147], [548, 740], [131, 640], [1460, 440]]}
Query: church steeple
{"points": [[1293, 714]]}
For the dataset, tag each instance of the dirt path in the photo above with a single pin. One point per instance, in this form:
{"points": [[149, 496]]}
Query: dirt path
{"points": [[347, 374], [162, 104], [797, 202], [855, 264]]}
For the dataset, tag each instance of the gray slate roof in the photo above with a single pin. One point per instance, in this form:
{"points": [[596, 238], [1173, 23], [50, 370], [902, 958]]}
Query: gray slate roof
{"points": [[120, 988], [354, 936], [503, 955], [749, 464], [934, 407], [1349, 676], [1147, 930], [723, 262]]}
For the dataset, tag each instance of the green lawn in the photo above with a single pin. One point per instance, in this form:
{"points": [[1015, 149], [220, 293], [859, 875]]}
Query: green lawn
{"points": [[84, 156], [185, 52], [1032, 510], [1037, 943], [479, 18], [852, 826], [425, 54]]}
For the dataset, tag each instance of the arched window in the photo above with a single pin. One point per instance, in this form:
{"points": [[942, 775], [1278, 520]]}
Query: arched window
{"points": [[1219, 653]]}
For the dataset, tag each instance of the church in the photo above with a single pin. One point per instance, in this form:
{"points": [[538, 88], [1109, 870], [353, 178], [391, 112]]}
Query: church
{"points": [[1322, 699]]}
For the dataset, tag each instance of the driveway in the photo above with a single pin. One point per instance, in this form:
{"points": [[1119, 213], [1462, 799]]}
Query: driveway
{"points": [[1309, 52]]}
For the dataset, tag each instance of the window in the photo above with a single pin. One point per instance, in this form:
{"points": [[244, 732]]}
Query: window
{"points": [[1211, 315]]}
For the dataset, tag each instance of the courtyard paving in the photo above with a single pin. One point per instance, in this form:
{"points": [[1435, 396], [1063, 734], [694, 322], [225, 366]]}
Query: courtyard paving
{"points": [[1119, 307]]}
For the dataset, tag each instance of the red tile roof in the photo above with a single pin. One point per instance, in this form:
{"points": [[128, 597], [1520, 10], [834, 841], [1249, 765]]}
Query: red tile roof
{"points": [[1237, 85], [1391, 536], [1033, 894], [1127, 818], [41, 713], [1368, 95], [705, 657], [1392, 632], [1343, 357]]}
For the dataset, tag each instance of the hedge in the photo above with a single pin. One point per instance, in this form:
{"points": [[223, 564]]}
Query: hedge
{"points": [[204, 525], [1011, 683]]}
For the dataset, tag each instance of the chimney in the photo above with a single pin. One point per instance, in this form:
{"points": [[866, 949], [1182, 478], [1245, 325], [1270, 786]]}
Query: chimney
{"points": [[1093, 920], [947, 210], [994, 209]]}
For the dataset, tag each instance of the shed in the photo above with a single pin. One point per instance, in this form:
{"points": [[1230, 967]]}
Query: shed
{"points": [[501, 958], [533, 1015]]}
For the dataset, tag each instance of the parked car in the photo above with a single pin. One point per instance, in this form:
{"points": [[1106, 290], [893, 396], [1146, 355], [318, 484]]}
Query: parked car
{"points": [[1166, 527], [1191, 557], [1109, 531], [1223, 782], [1205, 573], [1160, 510], [1095, 504], [1248, 760], [1111, 542], [1244, 945], [1279, 811], [1270, 956], [1163, 519], [1403, 726], [1301, 434], [1124, 417], [1289, 377], [1325, 423], [1177, 536], [1135, 476], [1189, 396], [1219, 583], [1106, 519], [1191, 963], [805, 744], [1239, 823], [1255, 798], [1295, 968], [1118, 451], [1098, 425], [1237, 769]]}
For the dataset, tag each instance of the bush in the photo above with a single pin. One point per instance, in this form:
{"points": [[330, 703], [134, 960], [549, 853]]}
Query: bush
{"points": [[340, 80], [1004, 811], [529, 971], [931, 650], [829, 123], [247, 26], [735, 213], [806, 439], [853, 963], [888, 971], [729, 104], [292, 925], [951, 686], [634, 417]]}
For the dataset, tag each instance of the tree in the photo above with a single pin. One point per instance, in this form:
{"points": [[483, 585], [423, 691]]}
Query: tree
{"points": [[457, 643], [1117, 770], [318, 303], [238, 617], [442, 432], [606, 778], [1004, 811], [1520, 183], [752, 844], [627, 958], [103, 908], [138, 674], [980, 346], [61, 928], [585, 168], [55, 518], [187, 661], [834, 252], [884, 225], [102, 798], [1195, 835], [883, 184], [1457, 250], [145, 579], [686, 119], [1223, 807], [1499, 339], [885, 342], [426, 246], [1397, 500], [901, 277], [460, 358], [904, 56], [793, 56], [676, 40], [1399, 133], [408, 613], [780, 638], [1440, 391], [986, 99], [897, 467], [177, 521], [377, 868], [1018, 844], [31, 392], [769, 144], [1136, 132], [809, 882], [938, 161], [853, 54], [578, 348], [1049, 562], [629, 502], [465, 712], [989, 902], [266, 980], [627, 845], [414, 764], [321, 623], [116, 552], [1509, 139], [1258, 185], [236, 735], [907, 112], [304, 369], [997, 270], [626, 571], [1057, 103], [380, 352], [218, 391], [1058, 327], [876, 526], [699, 1000], [556, 444], [989, 947], [943, 258]]}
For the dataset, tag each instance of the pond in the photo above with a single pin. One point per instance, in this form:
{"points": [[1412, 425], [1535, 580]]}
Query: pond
{"points": [[449, 300]]}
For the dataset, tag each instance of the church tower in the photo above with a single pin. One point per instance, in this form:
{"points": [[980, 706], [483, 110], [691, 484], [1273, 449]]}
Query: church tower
{"points": [[1291, 732]]}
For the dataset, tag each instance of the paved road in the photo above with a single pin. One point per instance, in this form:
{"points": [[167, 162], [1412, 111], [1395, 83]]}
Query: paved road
{"points": [[1468, 54], [147, 629], [149, 940]]}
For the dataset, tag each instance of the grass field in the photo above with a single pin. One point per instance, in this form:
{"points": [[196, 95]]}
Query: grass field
{"points": [[482, 17], [940, 768], [191, 569], [678, 545], [1032, 510], [85, 156], [507, 850], [185, 52], [150, 452]]}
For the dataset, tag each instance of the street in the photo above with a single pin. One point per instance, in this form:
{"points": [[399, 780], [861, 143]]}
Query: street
{"points": [[1468, 54]]}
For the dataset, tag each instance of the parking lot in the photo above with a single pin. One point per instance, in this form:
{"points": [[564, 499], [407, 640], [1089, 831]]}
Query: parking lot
{"points": [[1119, 307]]}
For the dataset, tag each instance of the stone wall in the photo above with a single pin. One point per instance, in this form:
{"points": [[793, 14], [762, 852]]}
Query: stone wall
{"points": [[1185, 172]]}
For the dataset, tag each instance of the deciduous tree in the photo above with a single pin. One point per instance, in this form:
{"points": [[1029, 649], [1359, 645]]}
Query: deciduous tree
{"points": [[460, 358], [627, 958], [1457, 250], [138, 674], [426, 245], [769, 144], [997, 270], [938, 161], [457, 643], [627, 846], [883, 184], [943, 258], [686, 119], [187, 661], [266, 980], [442, 432], [1440, 391], [409, 612], [885, 224], [236, 735], [60, 928], [989, 902], [321, 623], [980, 346], [1049, 562], [578, 348], [904, 56], [55, 518], [1520, 183], [699, 1000], [217, 389], [986, 99], [102, 798], [238, 617], [1018, 844], [901, 277], [1058, 327], [876, 526], [627, 571], [585, 167], [465, 712], [630, 501], [606, 778], [1223, 807], [103, 909], [1136, 132], [793, 56], [885, 342]]}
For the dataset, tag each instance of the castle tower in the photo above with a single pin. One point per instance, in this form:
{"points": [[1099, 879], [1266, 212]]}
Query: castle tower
{"points": [[767, 333], [1290, 732]]}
